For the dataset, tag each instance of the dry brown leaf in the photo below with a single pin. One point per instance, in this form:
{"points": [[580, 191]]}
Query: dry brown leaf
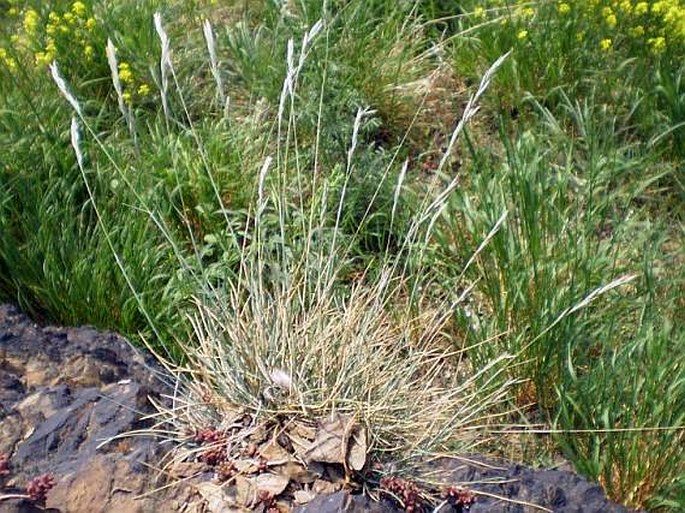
{"points": [[300, 445], [321, 487], [271, 483], [215, 498], [274, 453], [259, 435], [302, 430], [297, 472], [246, 491], [245, 466], [356, 455], [330, 445], [304, 496]]}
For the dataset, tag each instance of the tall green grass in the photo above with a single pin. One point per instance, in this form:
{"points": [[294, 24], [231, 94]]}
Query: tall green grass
{"points": [[579, 212]]}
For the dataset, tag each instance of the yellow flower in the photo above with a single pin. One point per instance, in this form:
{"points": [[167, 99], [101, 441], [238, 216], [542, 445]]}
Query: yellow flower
{"points": [[522, 34], [78, 8], [7, 60], [527, 12], [658, 7], [11, 63], [611, 20], [563, 8], [88, 52], [641, 8], [127, 97], [605, 44], [657, 44], [479, 12], [69, 18], [43, 59], [31, 19], [13, 11], [90, 24], [143, 90], [125, 74], [637, 31], [626, 6], [51, 47]]}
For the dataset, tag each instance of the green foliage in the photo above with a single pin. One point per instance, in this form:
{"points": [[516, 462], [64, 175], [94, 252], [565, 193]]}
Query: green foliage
{"points": [[578, 213], [626, 438]]}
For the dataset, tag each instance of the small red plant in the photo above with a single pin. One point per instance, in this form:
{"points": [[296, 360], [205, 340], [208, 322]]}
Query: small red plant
{"points": [[4, 465], [459, 497], [39, 486], [209, 436], [404, 491], [213, 456], [262, 465], [268, 501], [216, 454], [226, 470]]}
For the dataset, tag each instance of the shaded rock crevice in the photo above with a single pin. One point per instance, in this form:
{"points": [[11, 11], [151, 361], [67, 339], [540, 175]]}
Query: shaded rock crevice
{"points": [[64, 392]]}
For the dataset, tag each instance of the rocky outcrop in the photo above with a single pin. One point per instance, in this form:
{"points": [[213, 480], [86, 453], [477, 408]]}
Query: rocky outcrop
{"points": [[64, 394], [67, 393]]}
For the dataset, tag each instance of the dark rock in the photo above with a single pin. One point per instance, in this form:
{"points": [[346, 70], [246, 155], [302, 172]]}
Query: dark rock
{"points": [[63, 394], [343, 502], [507, 488]]}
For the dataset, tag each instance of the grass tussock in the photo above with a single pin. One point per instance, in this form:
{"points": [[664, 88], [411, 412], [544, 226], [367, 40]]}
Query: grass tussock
{"points": [[293, 333]]}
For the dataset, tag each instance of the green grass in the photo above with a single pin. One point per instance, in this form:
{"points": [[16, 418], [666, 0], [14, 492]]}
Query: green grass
{"points": [[524, 277]]}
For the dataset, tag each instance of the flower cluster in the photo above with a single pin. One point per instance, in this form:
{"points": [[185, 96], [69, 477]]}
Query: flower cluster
{"points": [[655, 25], [215, 452], [406, 492], [459, 497], [38, 487], [68, 32], [49, 35], [7, 59]]}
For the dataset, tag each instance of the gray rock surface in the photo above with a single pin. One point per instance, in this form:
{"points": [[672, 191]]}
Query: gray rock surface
{"points": [[63, 393], [506, 488]]}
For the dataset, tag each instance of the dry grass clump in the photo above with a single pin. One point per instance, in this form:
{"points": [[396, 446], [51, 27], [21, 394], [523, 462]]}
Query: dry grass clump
{"points": [[294, 336], [278, 352]]}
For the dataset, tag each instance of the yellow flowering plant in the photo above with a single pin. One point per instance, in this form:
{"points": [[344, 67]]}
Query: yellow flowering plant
{"points": [[640, 27], [552, 39], [652, 26], [61, 31], [69, 33]]}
